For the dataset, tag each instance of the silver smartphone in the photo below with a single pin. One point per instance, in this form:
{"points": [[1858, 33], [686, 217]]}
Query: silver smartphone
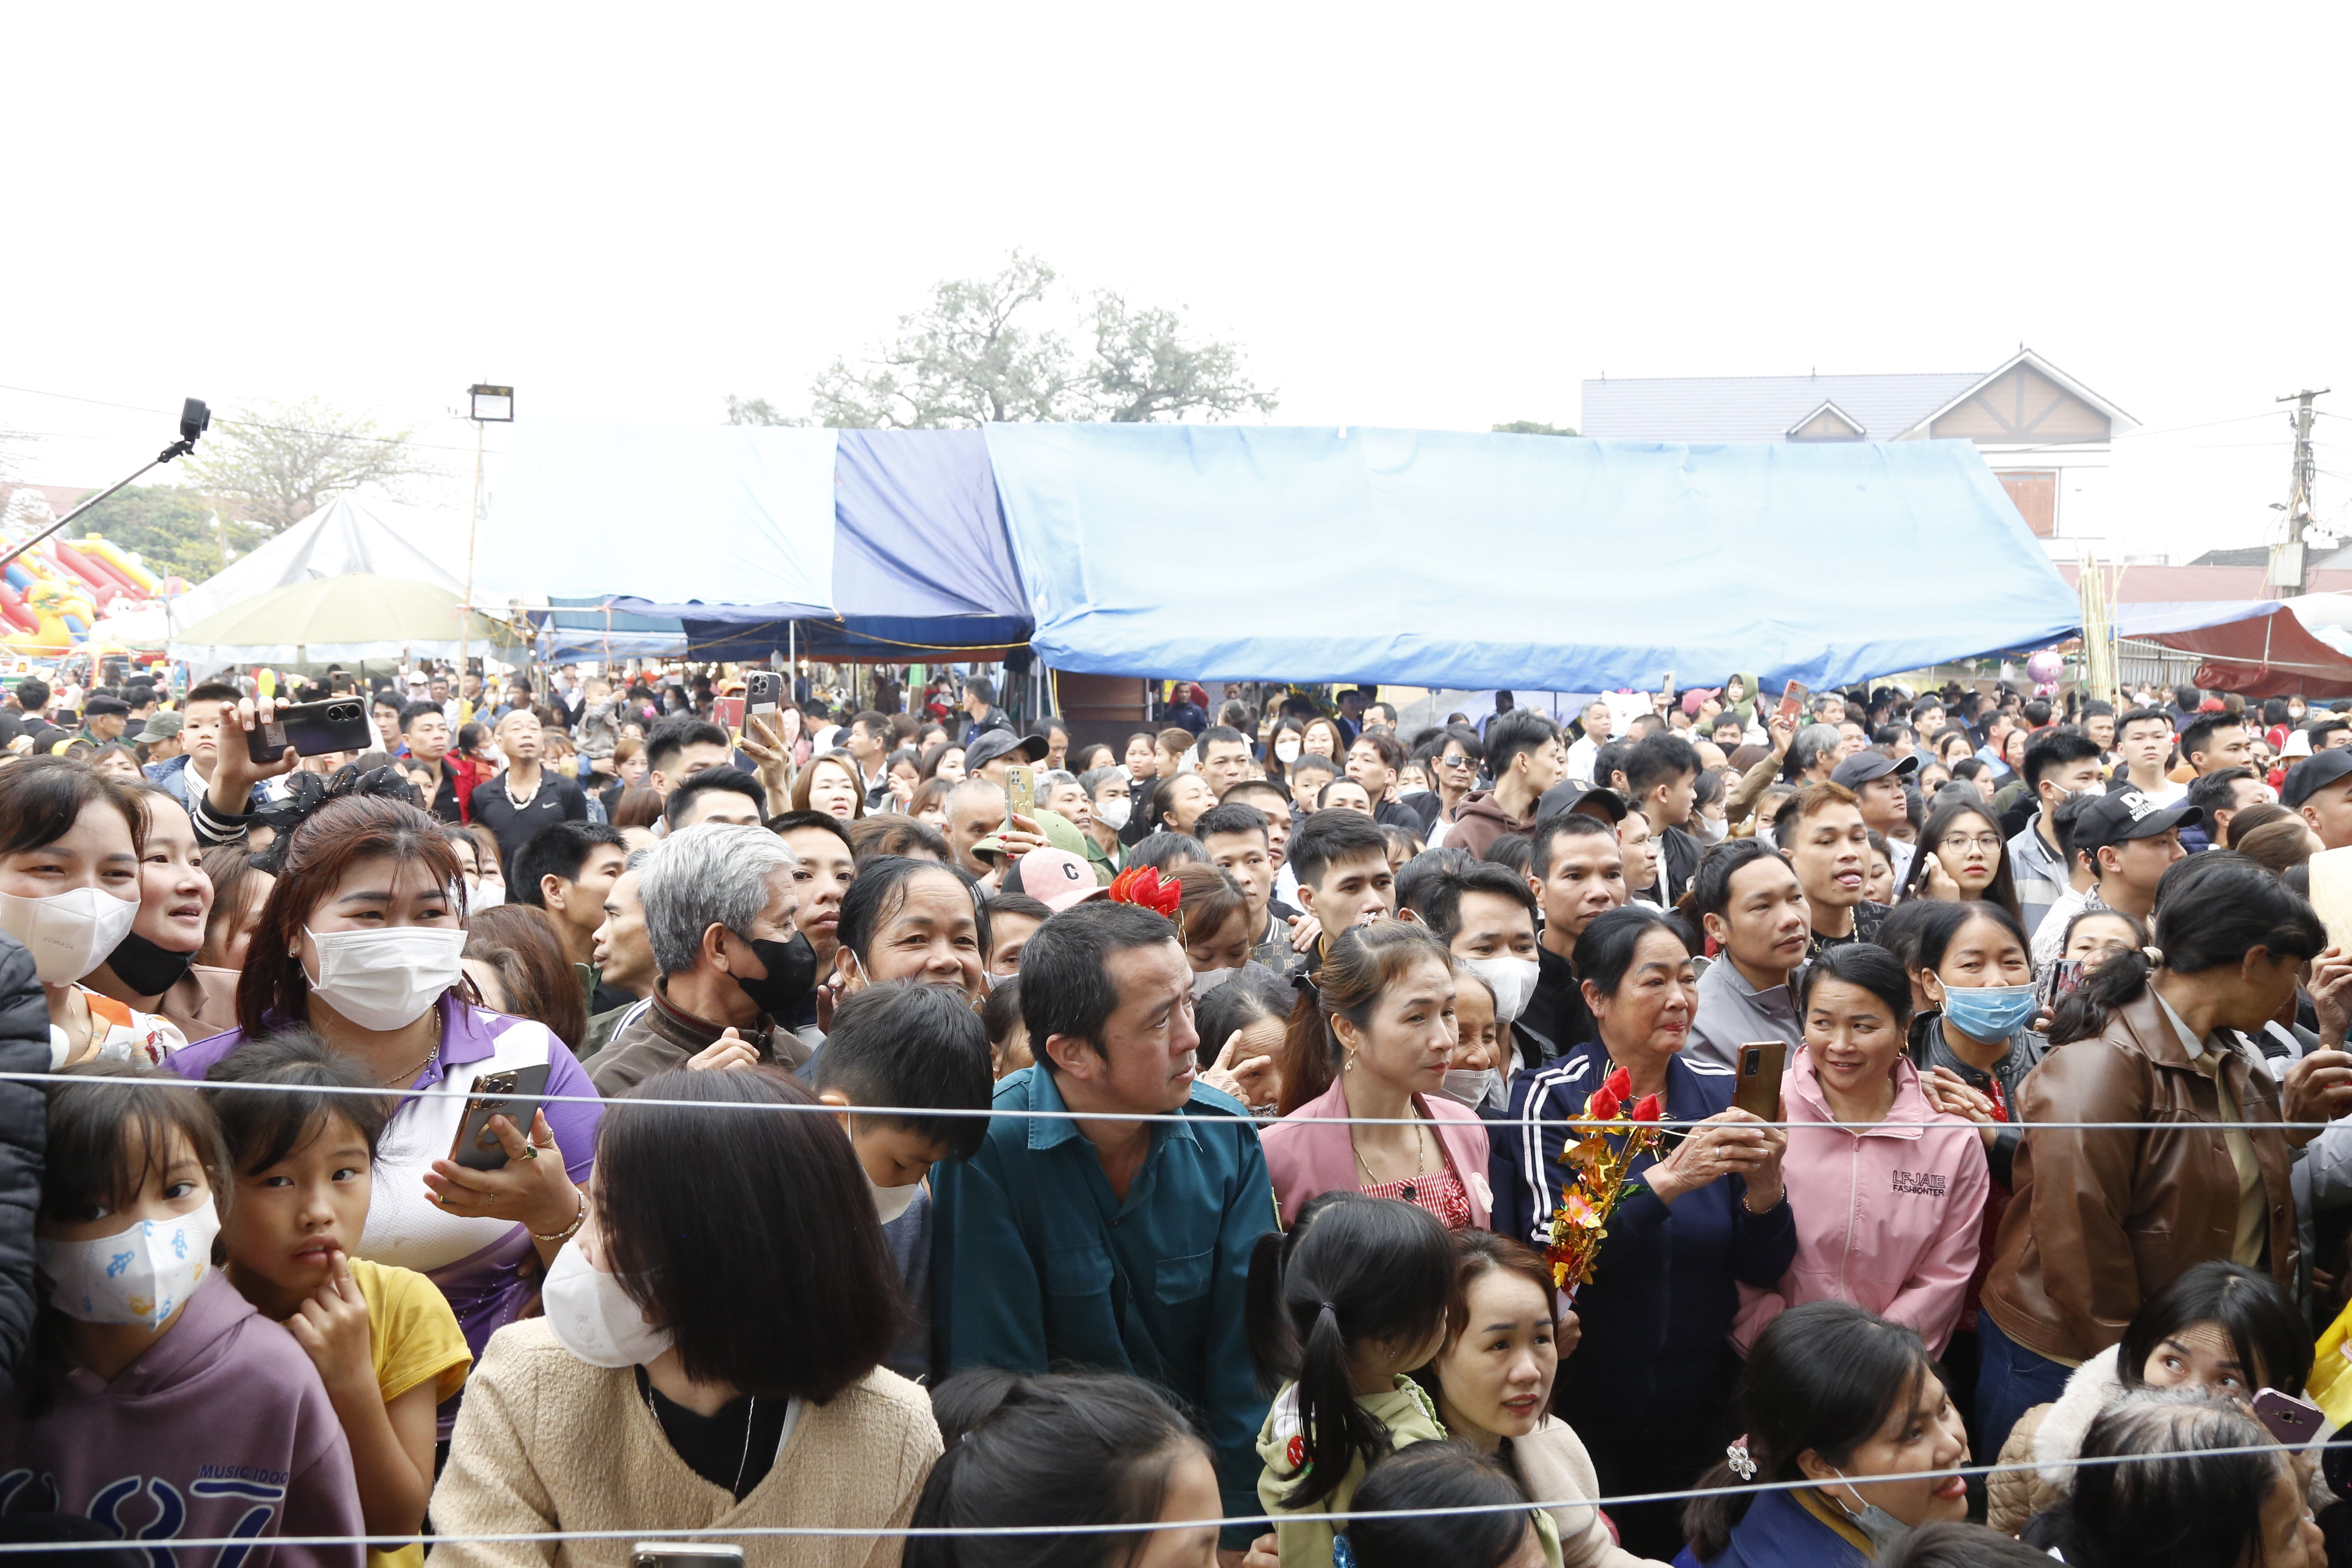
{"points": [[684, 1555]]}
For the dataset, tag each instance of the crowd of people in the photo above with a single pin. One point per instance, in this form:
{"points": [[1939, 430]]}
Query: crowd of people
{"points": [[626, 1111]]}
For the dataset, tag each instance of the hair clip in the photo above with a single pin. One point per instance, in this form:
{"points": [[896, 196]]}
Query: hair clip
{"points": [[2154, 954], [1743, 1463], [1343, 1555]]}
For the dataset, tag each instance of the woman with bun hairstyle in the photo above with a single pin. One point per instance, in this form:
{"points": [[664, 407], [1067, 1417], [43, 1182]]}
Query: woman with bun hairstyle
{"points": [[1379, 1029], [2104, 1219], [1850, 1407]]}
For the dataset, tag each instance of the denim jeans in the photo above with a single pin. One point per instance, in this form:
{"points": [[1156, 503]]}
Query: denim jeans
{"points": [[2010, 1381]]}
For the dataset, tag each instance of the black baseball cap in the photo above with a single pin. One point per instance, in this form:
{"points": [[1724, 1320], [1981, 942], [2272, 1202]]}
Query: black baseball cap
{"points": [[2314, 774], [990, 744], [1866, 765], [2126, 814]]}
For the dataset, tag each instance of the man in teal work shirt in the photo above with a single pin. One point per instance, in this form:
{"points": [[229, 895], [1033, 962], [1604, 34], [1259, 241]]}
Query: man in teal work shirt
{"points": [[1111, 1243]]}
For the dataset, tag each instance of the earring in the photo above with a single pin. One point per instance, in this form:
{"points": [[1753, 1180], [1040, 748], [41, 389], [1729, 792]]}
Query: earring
{"points": [[1350, 1066]]}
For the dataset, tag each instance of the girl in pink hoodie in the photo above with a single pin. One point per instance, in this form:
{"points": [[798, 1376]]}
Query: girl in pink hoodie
{"points": [[1888, 1193]]}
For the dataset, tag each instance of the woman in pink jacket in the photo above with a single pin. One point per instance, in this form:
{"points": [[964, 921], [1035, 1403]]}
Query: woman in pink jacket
{"points": [[1888, 1192], [1380, 1026]]}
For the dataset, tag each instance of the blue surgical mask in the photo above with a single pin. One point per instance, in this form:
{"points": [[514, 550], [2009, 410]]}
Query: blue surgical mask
{"points": [[1989, 1012]]}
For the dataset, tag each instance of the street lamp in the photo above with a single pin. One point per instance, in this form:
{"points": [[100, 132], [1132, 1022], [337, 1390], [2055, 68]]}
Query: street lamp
{"points": [[490, 406]]}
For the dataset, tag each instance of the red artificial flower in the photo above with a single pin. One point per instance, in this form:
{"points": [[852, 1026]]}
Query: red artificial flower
{"points": [[1603, 1106], [1295, 1451], [1646, 1109], [1143, 887], [1619, 1084]]}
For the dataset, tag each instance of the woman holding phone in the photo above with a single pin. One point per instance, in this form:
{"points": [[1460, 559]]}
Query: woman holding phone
{"points": [[361, 940], [1887, 1191]]}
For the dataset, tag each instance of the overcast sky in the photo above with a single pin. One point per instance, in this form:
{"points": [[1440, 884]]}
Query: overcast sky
{"points": [[1422, 217]]}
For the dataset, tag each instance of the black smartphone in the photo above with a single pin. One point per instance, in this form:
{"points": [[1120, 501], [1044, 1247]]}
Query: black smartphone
{"points": [[1759, 1090], [513, 1094], [684, 1554], [761, 690], [338, 724]]}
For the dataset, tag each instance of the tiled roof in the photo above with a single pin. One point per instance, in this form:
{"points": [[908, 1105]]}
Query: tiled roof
{"points": [[1761, 407]]}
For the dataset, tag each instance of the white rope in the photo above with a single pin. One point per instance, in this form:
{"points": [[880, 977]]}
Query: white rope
{"points": [[1248, 1520], [926, 1110]]}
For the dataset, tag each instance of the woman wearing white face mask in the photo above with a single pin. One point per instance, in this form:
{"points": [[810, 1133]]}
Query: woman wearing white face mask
{"points": [[693, 1371], [70, 890], [1381, 1027], [361, 940], [154, 968]]}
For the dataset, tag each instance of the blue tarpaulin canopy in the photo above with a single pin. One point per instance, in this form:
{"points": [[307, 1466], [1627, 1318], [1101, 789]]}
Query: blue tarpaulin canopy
{"points": [[865, 543], [1439, 559]]}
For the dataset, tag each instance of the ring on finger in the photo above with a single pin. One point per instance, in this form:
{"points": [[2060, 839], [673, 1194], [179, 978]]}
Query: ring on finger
{"points": [[530, 1151]]}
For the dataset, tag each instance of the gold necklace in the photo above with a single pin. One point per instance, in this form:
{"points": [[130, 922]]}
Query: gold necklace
{"points": [[430, 1057], [1419, 1156]]}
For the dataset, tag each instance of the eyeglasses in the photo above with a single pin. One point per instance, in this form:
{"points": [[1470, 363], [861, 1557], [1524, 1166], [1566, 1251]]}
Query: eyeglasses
{"points": [[1454, 762], [1989, 843]]}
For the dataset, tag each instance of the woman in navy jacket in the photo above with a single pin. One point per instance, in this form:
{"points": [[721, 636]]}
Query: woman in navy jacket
{"points": [[1648, 1385]]}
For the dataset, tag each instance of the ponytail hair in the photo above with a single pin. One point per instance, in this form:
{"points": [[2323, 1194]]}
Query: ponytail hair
{"points": [[1822, 1377], [2212, 910], [1354, 1269], [1062, 1449]]}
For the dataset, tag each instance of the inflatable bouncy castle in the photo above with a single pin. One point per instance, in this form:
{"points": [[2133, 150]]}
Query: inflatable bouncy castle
{"points": [[51, 595]]}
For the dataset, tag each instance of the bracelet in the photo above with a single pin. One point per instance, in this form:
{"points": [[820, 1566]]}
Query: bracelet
{"points": [[569, 1231]]}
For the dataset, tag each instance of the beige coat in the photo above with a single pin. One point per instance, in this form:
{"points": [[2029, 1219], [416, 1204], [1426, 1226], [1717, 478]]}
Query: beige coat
{"points": [[546, 1442], [1554, 1467]]}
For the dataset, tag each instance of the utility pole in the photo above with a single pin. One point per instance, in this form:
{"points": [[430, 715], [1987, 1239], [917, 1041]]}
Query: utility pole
{"points": [[2287, 569]]}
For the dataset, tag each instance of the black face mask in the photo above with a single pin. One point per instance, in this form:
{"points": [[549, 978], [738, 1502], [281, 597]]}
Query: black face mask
{"points": [[147, 969], [792, 975]]}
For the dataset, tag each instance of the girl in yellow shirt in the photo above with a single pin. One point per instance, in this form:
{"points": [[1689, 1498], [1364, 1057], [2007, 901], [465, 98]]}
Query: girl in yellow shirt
{"points": [[384, 1339]]}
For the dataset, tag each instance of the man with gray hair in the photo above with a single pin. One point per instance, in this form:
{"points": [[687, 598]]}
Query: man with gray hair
{"points": [[731, 970]]}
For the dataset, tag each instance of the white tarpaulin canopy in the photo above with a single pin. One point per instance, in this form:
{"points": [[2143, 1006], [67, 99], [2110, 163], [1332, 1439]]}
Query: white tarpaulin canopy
{"points": [[350, 533]]}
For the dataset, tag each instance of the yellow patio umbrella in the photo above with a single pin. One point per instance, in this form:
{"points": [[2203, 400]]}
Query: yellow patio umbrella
{"points": [[356, 615]]}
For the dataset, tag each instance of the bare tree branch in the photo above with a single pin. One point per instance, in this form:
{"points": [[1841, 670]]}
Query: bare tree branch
{"points": [[277, 463]]}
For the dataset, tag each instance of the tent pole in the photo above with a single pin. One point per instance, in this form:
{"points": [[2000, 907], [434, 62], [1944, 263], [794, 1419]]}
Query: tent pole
{"points": [[473, 520]]}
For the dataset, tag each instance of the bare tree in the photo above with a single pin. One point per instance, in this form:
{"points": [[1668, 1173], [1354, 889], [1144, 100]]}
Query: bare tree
{"points": [[973, 357], [277, 463]]}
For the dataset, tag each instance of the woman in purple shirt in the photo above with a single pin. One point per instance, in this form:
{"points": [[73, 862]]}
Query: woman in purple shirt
{"points": [[361, 940]]}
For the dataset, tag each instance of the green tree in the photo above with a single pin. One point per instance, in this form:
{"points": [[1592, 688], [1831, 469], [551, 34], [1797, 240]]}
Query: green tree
{"points": [[277, 463], [1532, 428], [977, 353], [173, 530]]}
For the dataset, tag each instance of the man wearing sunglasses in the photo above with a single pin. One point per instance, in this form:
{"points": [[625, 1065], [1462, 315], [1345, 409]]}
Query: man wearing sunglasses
{"points": [[1449, 760]]}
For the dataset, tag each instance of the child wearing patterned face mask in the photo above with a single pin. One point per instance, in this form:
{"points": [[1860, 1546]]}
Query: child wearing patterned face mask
{"points": [[147, 1365], [916, 1048], [384, 1339]]}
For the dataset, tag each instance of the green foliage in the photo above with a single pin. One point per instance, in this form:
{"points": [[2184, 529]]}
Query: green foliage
{"points": [[171, 530], [1532, 428], [977, 354]]}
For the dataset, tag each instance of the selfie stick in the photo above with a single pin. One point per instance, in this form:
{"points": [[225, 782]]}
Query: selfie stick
{"points": [[193, 417]]}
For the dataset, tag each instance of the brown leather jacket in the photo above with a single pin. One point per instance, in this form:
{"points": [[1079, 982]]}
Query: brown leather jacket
{"points": [[2101, 1219]]}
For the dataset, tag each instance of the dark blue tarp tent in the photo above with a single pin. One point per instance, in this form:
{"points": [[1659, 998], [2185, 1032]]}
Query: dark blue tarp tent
{"points": [[1432, 558]]}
